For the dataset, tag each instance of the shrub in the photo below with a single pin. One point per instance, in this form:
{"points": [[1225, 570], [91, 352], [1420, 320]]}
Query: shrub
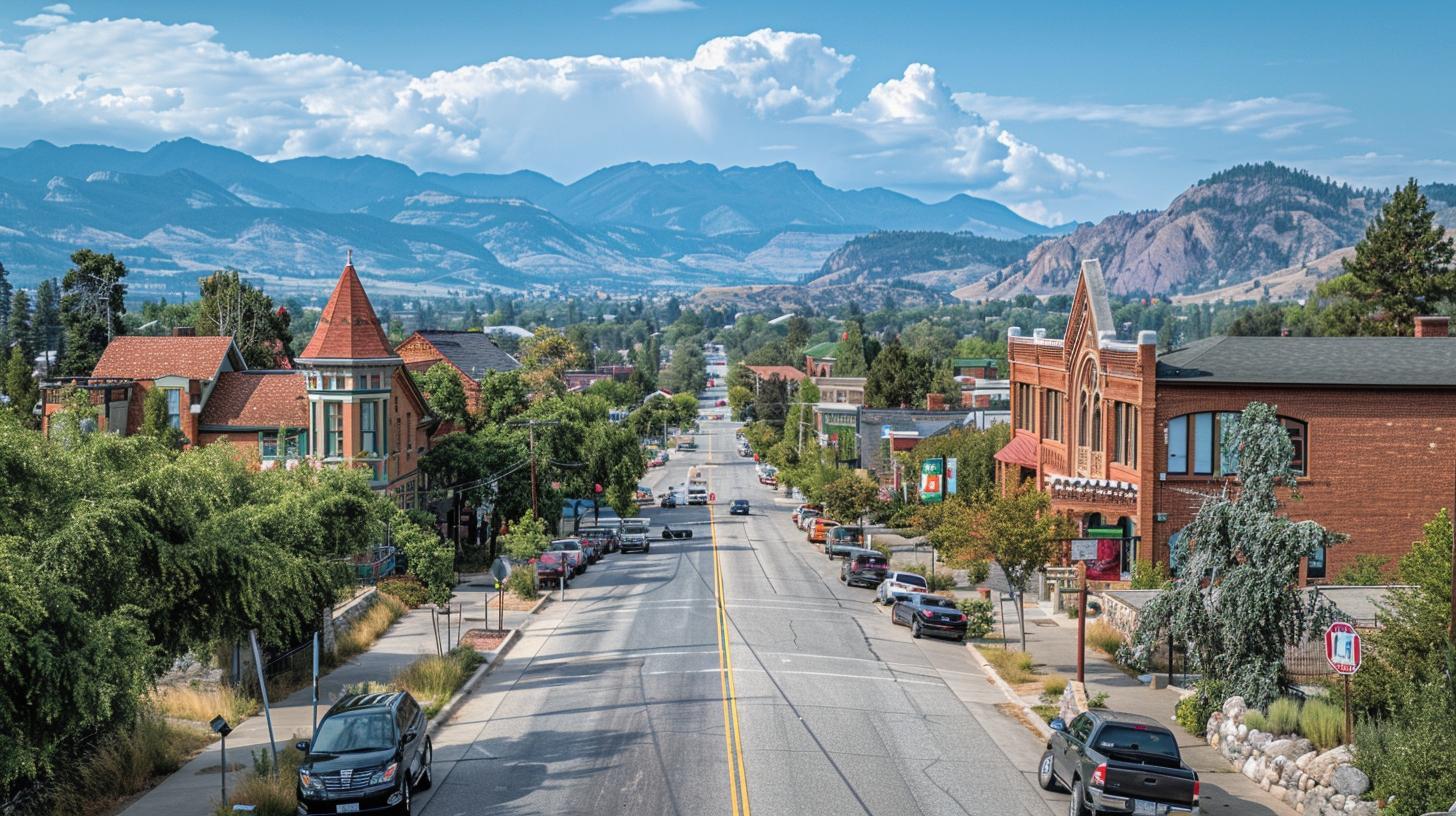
{"points": [[406, 589], [977, 572], [202, 703], [979, 618], [1098, 700], [1013, 666], [124, 763], [1149, 575], [432, 680], [1254, 719], [938, 582], [1412, 757], [270, 794], [1322, 723], [1283, 716], [368, 627], [1052, 688], [1104, 638], [522, 582], [1194, 710]]}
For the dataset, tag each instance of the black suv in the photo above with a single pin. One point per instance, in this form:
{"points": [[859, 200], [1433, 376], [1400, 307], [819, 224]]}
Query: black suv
{"points": [[864, 567], [369, 754]]}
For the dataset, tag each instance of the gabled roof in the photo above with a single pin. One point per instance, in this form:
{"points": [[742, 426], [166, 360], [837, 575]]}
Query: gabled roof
{"points": [[1097, 297], [348, 329], [1347, 361], [148, 358], [257, 399], [472, 352]]}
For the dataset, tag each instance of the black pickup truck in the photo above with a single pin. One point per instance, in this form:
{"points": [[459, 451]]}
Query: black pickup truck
{"points": [[1118, 763]]}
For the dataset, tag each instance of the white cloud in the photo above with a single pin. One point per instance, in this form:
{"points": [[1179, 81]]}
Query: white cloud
{"points": [[1273, 117], [1037, 211], [42, 21], [59, 8], [653, 7], [133, 82]]}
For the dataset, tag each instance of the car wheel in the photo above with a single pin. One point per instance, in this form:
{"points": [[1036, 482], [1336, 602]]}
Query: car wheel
{"points": [[1078, 805], [427, 773], [406, 805], [915, 629], [1045, 776], [647, 549]]}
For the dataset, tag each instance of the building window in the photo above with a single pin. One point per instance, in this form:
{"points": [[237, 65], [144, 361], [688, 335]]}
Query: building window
{"points": [[1124, 434], [1298, 433], [1315, 566], [1097, 423], [1025, 407], [369, 427], [293, 445], [174, 407], [333, 429], [1211, 439], [1178, 445], [1052, 422]]}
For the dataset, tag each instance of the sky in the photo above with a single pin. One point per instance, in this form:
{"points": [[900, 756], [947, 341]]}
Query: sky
{"points": [[1060, 110]]}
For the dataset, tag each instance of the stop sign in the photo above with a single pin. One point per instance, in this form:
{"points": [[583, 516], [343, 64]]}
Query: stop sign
{"points": [[1342, 647]]}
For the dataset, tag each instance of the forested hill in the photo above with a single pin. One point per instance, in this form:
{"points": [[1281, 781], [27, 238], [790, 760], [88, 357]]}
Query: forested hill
{"points": [[938, 259]]}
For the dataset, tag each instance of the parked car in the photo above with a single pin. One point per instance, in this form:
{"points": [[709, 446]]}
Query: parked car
{"points": [[668, 500], [864, 568], [770, 479], [369, 754], [687, 445], [656, 463], [553, 568], [899, 583], [807, 517], [745, 451], [697, 494], [1118, 763], [644, 496], [575, 558], [929, 614], [798, 511], [738, 508], [635, 540], [819, 529], [604, 539], [842, 540]]}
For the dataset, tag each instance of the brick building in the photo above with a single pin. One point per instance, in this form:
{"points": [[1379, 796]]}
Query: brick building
{"points": [[350, 402], [471, 354], [1127, 441]]}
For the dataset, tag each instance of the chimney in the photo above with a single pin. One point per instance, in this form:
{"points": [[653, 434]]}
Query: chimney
{"points": [[1433, 326], [934, 402], [184, 331]]}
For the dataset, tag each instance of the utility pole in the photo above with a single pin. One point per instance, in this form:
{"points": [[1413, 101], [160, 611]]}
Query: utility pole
{"points": [[530, 425]]}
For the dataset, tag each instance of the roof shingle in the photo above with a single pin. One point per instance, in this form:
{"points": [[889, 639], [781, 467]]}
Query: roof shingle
{"points": [[147, 358], [257, 399], [472, 352], [348, 329], [1348, 361]]}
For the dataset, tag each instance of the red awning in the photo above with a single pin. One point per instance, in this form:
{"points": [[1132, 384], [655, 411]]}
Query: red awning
{"points": [[1021, 450]]}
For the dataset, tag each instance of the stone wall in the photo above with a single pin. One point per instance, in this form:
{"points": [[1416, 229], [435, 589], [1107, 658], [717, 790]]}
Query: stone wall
{"points": [[340, 618], [1289, 767]]}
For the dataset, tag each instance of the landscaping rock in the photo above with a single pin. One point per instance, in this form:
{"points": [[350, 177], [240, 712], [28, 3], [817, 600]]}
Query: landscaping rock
{"points": [[1303, 761], [1350, 780], [1234, 708], [1283, 748]]}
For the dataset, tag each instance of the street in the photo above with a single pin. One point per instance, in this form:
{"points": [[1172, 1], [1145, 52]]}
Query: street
{"points": [[628, 699]]}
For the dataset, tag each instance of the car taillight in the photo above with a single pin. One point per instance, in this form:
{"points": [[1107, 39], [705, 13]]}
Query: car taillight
{"points": [[1195, 791], [927, 613], [1099, 776]]}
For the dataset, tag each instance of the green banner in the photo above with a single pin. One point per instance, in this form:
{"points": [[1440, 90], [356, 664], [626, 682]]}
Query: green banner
{"points": [[932, 480]]}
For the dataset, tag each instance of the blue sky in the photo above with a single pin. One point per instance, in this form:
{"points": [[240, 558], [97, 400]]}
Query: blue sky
{"points": [[1061, 110]]}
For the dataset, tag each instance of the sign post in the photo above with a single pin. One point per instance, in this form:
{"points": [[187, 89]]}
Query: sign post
{"points": [[1342, 652], [500, 571], [932, 479]]}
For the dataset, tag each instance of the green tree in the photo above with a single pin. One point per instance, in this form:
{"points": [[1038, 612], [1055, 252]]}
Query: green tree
{"points": [[1238, 624], [20, 386], [503, 395], [615, 461], [45, 327], [688, 371], [155, 423], [739, 398], [897, 379], [798, 333], [851, 497], [19, 326], [93, 302], [6, 291], [849, 359], [231, 307], [431, 559], [446, 394], [548, 354], [1401, 269], [526, 540], [1017, 530]]}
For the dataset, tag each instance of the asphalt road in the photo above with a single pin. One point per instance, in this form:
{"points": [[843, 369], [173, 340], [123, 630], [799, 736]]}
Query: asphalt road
{"points": [[621, 699]]}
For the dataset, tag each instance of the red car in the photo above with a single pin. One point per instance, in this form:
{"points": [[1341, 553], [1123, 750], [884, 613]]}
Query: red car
{"points": [[652, 463], [553, 570]]}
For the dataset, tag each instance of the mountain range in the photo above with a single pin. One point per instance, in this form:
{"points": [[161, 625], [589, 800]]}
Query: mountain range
{"points": [[184, 208]]}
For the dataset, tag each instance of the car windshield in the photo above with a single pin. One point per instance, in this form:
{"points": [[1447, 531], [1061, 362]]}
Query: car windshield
{"points": [[367, 731], [740, 502], [910, 578], [565, 545], [1141, 740]]}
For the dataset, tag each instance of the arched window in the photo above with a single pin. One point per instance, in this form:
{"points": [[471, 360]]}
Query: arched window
{"points": [[1089, 408], [1097, 422], [1203, 444]]}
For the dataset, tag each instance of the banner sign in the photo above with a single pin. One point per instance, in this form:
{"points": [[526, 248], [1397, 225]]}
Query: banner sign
{"points": [[1103, 556], [932, 475], [950, 476]]}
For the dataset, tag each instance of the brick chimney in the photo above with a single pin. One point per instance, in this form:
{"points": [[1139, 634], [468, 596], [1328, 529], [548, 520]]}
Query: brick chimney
{"points": [[184, 331], [934, 402], [1433, 326]]}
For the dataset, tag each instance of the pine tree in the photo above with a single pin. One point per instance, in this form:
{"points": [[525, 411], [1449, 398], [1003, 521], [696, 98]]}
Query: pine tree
{"points": [[6, 290], [20, 385], [45, 329], [19, 326], [1403, 266], [92, 305], [897, 378], [849, 358]]}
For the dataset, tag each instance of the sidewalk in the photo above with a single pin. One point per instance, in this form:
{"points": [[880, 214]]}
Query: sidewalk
{"points": [[194, 789]]}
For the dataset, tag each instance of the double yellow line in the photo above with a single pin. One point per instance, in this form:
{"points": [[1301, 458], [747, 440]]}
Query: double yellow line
{"points": [[732, 731]]}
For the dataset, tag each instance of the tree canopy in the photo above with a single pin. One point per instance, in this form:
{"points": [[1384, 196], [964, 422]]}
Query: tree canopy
{"points": [[93, 302], [231, 307]]}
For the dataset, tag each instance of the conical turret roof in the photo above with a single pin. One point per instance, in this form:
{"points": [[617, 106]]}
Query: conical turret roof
{"points": [[348, 329]]}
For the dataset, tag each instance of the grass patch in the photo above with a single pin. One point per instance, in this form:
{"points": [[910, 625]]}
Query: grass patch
{"points": [[1104, 638], [1013, 666], [1047, 712], [1098, 700], [1052, 687], [124, 763], [1283, 716], [271, 794], [1322, 723], [1254, 719], [368, 627], [202, 703], [432, 680]]}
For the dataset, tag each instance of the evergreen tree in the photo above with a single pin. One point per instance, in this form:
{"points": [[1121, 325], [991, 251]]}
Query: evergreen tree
{"points": [[798, 336], [849, 359], [1401, 269], [231, 307], [19, 326], [92, 306], [6, 290], [45, 329], [897, 379], [20, 385]]}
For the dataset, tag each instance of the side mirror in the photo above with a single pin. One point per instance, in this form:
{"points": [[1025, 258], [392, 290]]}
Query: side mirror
{"points": [[1058, 724], [302, 745], [409, 736]]}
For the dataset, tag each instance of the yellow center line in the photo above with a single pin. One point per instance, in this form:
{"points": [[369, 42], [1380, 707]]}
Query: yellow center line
{"points": [[732, 731]]}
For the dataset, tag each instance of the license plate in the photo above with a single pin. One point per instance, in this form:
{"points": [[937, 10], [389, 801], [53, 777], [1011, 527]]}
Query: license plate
{"points": [[1141, 808], [351, 807]]}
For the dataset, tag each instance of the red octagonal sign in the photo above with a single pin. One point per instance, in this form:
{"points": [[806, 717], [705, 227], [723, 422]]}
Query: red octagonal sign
{"points": [[1342, 647]]}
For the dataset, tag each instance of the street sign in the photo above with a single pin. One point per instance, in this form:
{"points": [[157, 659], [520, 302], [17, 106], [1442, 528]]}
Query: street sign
{"points": [[1342, 647], [501, 569], [1084, 549], [932, 473]]}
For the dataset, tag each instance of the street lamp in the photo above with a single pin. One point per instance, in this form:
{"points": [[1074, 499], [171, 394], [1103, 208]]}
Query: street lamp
{"points": [[222, 729]]}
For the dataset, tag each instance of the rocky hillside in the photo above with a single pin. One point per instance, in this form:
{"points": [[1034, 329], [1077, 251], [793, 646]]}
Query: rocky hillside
{"points": [[937, 259], [1234, 226]]}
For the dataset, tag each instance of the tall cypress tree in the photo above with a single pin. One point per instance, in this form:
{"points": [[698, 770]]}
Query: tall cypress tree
{"points": [[1402, 268], [45, 323], [849, 358], [18, 325], [20, 386], [6, 290]]}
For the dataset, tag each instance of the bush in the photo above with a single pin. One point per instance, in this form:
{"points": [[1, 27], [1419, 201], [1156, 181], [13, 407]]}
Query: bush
{"points": [[1104, 637], [979, 618], [1254, 719], [1013, 666], [202, 703], [938, 582], [1098, 700], [124, 763], [1149, 575], [1322, 723], [1412, 757], [368, 627], [1283, 716], [977, 572], [269, 793], [1194, 710], [432, 680], [406, 589], [522, 582], [1052, 688]]}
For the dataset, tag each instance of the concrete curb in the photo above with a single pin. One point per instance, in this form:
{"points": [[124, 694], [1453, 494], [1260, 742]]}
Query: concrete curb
{"points": [[537, 608], [1008, 692], [448, 710]]}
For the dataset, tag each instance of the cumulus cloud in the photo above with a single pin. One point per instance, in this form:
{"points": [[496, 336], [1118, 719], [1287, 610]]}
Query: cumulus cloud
{"points": [[653, 7], [132, 82], [59, 8], [42, 21], [1272, 117]]}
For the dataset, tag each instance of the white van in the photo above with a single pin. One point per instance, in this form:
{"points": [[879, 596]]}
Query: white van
{"points": [[697, 494]]}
